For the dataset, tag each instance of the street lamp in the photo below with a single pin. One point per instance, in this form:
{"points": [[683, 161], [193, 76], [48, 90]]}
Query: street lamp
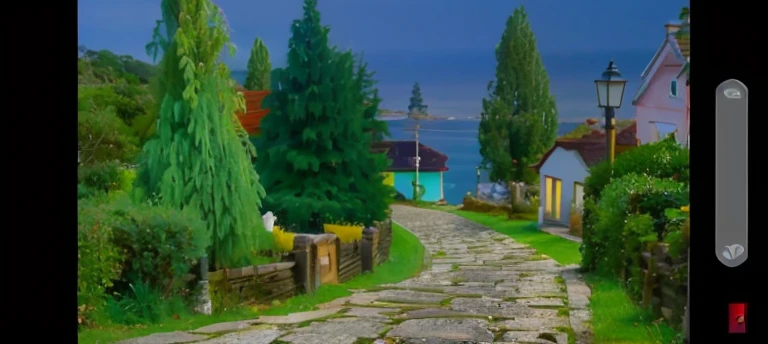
{"points": [[610, 93], [477, 185]]}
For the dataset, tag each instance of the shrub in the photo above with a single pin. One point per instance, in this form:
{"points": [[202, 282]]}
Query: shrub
{"points": [[98, 259], [631, 194], [638, 235], [575, 220], [663, 159], [105, 137], [161, 244], [473, 204]]}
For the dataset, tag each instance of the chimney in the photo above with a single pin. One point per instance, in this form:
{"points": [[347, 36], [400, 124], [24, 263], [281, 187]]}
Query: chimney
{"points": [[672, 27]]}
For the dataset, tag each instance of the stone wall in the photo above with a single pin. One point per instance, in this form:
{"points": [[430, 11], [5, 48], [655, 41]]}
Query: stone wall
{"points": [[665, 288]]}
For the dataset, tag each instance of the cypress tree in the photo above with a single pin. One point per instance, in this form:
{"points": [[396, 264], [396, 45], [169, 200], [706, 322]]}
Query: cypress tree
{"points": [[526, 109], [313, 141], [259, 68], [200, 157]]}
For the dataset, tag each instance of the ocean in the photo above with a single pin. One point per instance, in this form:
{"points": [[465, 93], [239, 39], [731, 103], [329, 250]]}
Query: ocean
{"points": [[453, 85]]}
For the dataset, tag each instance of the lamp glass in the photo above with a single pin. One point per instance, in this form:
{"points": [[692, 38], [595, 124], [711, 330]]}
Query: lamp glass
{"points": [[610, 87]]}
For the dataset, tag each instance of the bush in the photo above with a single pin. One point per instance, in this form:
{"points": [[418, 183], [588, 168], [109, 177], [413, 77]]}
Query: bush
{"points": [[603, 241], [104, 137], [161, 244], [473, 204], [133, 258], [638, 236], [98, 259], [104, 178], [663, 159]]}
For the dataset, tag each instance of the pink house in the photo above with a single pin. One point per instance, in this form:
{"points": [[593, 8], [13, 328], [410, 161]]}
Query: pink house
{"points": [[662, 100]]}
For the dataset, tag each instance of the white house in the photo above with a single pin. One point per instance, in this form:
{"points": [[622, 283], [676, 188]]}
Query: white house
{"points": [[564, 168]]}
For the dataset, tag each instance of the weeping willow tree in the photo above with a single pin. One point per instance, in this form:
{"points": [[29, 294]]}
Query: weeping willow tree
{"points": [[200, 156]]}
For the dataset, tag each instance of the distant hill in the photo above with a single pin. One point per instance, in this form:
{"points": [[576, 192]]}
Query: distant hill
{"points": [[104, 66]]}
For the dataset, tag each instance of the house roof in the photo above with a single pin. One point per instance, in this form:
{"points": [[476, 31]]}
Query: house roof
{"points": [[402, 153], [591, 147], [675, 46]]}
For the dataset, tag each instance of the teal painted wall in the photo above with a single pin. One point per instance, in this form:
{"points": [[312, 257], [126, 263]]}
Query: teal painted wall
{"points": [[430, 181]]}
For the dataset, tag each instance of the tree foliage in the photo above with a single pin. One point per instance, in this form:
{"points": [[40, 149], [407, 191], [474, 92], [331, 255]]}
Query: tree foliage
{"points": [[519, 111], [315, 163], [416, 107], [201, 157], [371, 101], [259, 68]]}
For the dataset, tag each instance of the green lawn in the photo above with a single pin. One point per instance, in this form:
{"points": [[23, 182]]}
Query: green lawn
{"points": [[406, 259], [615, 318]]}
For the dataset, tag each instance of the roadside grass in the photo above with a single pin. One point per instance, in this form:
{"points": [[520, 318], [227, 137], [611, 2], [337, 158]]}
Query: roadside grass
{"points": [[406, 260], [615, 318]]}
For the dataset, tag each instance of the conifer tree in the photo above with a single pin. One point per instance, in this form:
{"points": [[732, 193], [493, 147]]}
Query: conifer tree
{"points": [[416, 107], [259, 68], [197, 158], [313, 143], [525, 107], [371, 101]]}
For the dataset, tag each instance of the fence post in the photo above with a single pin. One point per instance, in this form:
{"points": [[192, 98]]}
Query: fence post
{"points": [[204, 305], [367, 248], [302, 246]]}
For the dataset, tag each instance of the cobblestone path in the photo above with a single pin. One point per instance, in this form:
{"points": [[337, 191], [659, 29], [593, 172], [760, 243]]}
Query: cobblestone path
{"points": [[480, 287]]}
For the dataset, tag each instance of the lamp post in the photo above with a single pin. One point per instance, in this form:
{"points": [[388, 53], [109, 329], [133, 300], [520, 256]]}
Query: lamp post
{"points": [[610, 93], [477, 185]]}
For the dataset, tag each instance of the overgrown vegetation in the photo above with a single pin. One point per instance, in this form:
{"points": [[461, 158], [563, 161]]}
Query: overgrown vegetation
{"points": [[638, 205], [405, 261]]}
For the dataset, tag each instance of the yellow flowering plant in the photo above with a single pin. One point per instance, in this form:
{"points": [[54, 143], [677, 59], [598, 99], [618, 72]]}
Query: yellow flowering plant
{"points": [[283, 239], [346, 232]]}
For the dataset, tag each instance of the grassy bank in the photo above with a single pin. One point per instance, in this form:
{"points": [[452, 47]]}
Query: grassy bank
{"points": [[615, 318], [405, 261]]}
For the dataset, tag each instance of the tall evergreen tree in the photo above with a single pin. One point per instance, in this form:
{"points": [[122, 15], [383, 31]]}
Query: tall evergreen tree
{"points": [[259, 68], [416, 107], [526, 108], [314, 146], [371, 101], [197, 160]]}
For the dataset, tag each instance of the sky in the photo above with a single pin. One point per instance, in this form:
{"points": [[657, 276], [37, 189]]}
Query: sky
{"points": [[397, 27]]}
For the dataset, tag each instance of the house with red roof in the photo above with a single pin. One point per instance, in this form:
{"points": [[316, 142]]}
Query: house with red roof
{"points": [[402, 172], [564, 167], [661, 101]]}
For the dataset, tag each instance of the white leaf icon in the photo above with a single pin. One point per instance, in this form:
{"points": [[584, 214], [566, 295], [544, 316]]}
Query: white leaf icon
{"points": [[733, 251]]}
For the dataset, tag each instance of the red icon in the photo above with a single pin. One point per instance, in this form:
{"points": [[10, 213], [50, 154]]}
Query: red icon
{"points": [[737, 318]]}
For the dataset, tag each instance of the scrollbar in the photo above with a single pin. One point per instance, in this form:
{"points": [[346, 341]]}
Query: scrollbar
{"points": [[731, 173]]}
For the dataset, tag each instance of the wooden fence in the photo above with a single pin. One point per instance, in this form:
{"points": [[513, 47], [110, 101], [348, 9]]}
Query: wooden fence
{"points": [[350, 261], [666, 284], [316, 260], [253, 284]]}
